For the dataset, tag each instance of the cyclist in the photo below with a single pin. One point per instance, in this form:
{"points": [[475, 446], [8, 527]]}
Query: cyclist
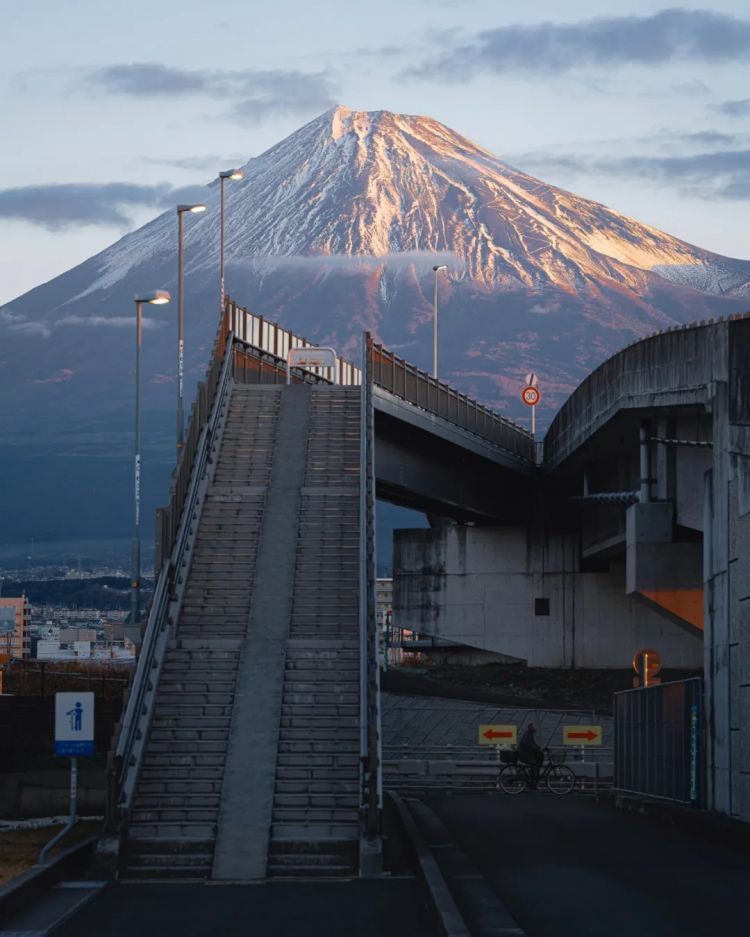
{"points": [[531, 754]]}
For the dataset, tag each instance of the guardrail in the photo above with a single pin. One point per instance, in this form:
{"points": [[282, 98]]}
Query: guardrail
{"points": [[168, 518], [277, 341], [465, 769], [369, 671], [137, 718], [390, 372], [417, 387]]}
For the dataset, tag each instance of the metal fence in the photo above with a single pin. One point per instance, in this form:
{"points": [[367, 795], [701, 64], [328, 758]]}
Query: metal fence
{"points": [[404, 380], [277, 341], [658, 742], [431, 744]]}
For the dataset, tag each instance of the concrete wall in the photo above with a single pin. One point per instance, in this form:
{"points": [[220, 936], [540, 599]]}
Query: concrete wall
{"points": [[478, 586], [727, 665]]}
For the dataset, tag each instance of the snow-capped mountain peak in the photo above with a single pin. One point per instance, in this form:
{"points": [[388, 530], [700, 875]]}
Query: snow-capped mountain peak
{"points": [[374, 184]]}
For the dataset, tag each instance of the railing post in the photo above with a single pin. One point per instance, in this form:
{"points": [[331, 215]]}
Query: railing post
{"points": [[370, 736]]}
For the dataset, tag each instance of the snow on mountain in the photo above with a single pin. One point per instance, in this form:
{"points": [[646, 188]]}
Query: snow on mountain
{"points": [[375, 184]]}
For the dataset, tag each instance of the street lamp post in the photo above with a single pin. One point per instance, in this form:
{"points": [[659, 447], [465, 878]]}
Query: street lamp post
{"points": [[156, 298], [226, 174], [435, 321], [181, 210]]}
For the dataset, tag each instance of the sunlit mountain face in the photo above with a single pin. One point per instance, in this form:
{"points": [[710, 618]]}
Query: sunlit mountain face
{"points": [[333, 230]]}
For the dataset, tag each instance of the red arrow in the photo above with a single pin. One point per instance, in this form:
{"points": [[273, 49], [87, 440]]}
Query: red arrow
{"points": [[588, 734], [491, 734]]}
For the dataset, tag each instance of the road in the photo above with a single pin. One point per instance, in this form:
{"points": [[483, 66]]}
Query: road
{"points": [[569, 867], [367, 908]]}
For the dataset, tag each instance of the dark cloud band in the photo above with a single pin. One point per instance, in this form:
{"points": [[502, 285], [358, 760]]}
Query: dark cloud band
{"points": [[257, 93], [720, 174], [699, 35], [71, 204]]}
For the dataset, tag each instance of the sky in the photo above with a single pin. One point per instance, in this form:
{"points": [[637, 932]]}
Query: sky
{"points": [[112, 111]]}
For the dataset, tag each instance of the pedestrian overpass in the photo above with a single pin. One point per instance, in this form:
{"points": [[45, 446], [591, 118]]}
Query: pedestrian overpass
{"points": [[250, 745]]}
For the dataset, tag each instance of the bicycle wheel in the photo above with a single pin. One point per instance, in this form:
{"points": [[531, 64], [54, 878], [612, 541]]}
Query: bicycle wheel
{"points": [[560, 779], [513, 779]]}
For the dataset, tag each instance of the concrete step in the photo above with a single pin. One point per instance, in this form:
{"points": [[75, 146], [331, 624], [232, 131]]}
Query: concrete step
{"points": [[314, 815], [173, 787], [178, 800]]}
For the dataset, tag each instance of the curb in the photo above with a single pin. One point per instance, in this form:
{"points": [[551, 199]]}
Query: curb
{"points": [[32, 884], [444, 909]]}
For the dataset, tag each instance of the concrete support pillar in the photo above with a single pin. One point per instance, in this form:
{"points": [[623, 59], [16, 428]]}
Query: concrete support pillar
{"points": [[717, 669]]}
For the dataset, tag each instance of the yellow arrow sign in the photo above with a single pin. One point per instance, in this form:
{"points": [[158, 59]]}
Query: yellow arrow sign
{"points": [[498, 735], [582, 735]]}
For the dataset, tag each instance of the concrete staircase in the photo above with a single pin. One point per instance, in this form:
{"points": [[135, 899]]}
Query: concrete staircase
{"points": [[252, 764], [315, 820], [172, 824]]}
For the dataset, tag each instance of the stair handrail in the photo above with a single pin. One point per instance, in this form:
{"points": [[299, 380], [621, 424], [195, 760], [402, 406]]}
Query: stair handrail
{"points": [[138, 712], [370, 730]]}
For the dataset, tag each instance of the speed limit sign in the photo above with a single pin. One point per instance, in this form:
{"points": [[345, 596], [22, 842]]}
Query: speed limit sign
{"points": [[531, 396]]}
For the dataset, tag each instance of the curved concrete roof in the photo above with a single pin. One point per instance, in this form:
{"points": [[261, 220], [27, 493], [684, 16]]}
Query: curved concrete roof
{"points": [[675, 367]]}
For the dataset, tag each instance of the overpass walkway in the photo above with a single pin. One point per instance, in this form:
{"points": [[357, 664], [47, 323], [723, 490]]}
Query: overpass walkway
{"points": [[250, 745]]}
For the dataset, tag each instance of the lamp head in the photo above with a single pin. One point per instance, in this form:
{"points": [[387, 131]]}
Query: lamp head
{"points": [[232, 174], [440, 267], [193, 209], [155, 298]]}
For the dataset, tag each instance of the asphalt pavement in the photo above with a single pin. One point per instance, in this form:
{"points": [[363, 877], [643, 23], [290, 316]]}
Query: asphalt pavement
{"points": [[570, 867], [362, 908]]}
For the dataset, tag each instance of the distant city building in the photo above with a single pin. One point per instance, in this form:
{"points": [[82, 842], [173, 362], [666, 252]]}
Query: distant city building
{"points": [[15, 621], [383, 601], [53, 649]]}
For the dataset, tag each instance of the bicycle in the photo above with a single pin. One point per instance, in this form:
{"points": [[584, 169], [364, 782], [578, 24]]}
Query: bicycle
{"points": [[515, 777]]}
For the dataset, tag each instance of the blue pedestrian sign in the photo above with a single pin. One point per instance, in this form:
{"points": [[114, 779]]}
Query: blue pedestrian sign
{"points": [[74, 724]]}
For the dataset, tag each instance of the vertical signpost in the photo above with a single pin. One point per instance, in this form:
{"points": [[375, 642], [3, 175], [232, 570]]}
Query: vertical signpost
{"points": [[647, 664], [74, 737], [531, 395]]}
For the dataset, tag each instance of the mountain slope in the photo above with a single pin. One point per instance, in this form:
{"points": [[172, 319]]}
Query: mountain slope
{"points": [[333, 230]]}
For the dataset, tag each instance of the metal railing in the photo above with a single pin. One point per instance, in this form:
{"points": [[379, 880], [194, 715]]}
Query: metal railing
{"points": [[168, 518], [469, 769], [421, 389], [658, 742], [370, 729], [137, 718], [388, 371], [277, 341]]}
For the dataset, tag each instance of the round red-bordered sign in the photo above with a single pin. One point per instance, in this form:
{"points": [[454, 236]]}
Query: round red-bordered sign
{"points": [[531, 396]]}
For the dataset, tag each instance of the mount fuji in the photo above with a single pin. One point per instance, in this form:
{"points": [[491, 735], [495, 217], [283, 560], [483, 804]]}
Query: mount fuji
{"points": [[334, 230]]}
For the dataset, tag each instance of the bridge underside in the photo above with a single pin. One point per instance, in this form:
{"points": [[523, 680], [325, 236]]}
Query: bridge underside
{"points": [[422, 469]]}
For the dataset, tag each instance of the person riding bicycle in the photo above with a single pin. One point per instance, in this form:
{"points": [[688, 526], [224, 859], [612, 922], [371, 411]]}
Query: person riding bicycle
{"points": [[531, 754]]}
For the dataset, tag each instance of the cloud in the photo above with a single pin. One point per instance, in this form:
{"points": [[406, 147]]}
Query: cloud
{"points": [[113, 322], [720, 174], [609, 42], [355, 263], [257, 93], [59, 377], [64, 205], [18, 322], [211, 162], [282, 92], [740, 108]]}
